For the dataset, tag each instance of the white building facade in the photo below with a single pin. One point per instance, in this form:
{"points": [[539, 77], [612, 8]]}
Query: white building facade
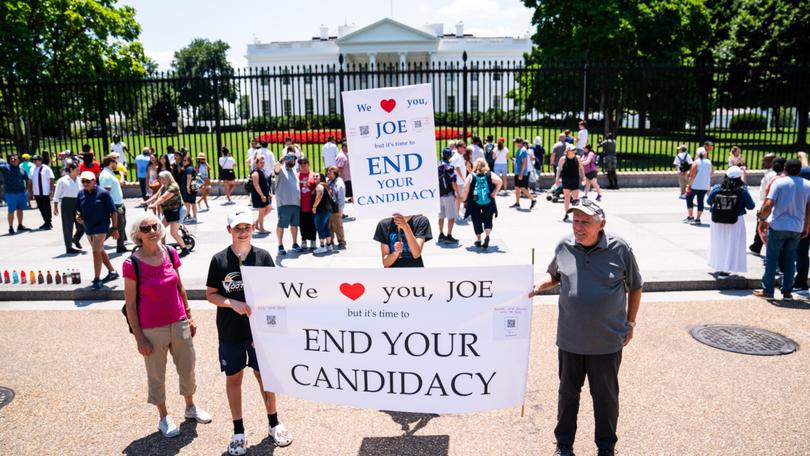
{"points": [[385, 45]]}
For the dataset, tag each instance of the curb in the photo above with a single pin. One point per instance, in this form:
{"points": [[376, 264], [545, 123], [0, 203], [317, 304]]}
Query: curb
{"points": [[46, 293]]}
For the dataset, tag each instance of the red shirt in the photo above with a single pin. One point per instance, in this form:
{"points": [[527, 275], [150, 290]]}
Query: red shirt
{"points": [[307, 186], [96, 168]]}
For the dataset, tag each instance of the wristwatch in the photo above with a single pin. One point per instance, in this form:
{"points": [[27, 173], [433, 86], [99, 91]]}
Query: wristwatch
{"points": [[631, 324]]}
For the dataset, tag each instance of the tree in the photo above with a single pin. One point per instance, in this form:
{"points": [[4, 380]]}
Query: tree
{"points": [[58, 40], [613, 34], [769, 39], [205, 76]]}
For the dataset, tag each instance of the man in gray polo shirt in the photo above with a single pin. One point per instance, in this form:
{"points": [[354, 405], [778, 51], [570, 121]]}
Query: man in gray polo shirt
{"points": [[288, 200], [600, 292]]}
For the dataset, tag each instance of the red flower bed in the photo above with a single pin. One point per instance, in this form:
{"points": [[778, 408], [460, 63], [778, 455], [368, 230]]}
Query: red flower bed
{"points": [[320, 136]]}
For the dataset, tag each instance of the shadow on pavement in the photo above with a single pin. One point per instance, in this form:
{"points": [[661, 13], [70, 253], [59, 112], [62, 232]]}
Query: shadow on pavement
{"points": [[790, 303], [490, 249], [423, 445], [405, 419], [155, 443]]}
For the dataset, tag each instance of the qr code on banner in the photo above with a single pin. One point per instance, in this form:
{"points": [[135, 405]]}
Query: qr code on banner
{"points": [[417, 124], [363, 130], [511, 323], [271, 320]]}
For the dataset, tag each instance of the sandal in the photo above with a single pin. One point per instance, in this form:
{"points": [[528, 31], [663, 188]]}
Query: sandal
{"points": [[281, 436]]}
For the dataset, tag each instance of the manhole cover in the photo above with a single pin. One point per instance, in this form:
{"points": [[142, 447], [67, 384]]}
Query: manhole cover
{"points": [[744, 339], [6, 395]]}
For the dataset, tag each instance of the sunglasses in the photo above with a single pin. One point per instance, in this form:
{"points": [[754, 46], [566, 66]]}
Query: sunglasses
{"points": [[588, 203], [149, 228], [86, 181]]}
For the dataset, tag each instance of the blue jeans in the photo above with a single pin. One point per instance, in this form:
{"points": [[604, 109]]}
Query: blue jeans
{"points": [[784, 243], [322, 225]]}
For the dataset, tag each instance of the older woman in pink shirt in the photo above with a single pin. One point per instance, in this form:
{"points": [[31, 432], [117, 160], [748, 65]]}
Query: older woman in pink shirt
{"points": [[160, 319]]}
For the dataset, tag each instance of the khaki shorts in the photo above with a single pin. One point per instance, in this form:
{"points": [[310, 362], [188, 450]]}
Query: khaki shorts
{"points": [[96, 242], [447, 207], [174, 338]]}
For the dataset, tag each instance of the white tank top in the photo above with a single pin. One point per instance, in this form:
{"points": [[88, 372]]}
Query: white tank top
{"points": [[703, 177]]}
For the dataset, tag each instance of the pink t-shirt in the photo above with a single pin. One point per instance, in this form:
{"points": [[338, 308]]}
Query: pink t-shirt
{"points": [[590, 167], [160, 302]]}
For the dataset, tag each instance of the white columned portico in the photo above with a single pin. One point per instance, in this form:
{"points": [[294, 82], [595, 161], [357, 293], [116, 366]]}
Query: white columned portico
{"points": [[403, 65], [372, 66]]}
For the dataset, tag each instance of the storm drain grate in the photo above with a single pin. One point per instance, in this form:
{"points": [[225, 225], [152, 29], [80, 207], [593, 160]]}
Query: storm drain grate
{"points": [[744, 339], [6, 395]]}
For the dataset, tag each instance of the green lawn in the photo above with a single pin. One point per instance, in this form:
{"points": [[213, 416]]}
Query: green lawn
{"points": [[636, 152]]}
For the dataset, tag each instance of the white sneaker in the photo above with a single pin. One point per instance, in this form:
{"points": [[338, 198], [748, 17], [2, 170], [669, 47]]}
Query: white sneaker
{"points": [[320, 249], [238, 445], [168, 428], [281, 436], [329, 247], [198, 414]]}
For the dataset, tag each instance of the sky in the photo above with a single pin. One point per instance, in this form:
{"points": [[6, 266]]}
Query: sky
{"points": [[170, 25]]}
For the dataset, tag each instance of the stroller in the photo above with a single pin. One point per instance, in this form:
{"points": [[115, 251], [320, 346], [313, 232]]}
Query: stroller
{"points": [[555, 193], [188, 238]]}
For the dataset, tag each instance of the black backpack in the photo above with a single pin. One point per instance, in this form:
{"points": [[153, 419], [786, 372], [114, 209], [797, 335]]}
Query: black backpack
{"points": [[445, 181], [684, 166], [726, 206]]}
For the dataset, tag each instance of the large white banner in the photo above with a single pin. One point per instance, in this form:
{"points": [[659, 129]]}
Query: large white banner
{"points": [[392, 150], [438, 340]]}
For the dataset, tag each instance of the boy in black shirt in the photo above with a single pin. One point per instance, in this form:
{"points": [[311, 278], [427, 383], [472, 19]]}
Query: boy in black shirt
{"points": [[226, 290], [401, 239]]}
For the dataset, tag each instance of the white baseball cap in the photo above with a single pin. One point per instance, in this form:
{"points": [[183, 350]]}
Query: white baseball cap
{"points": [[735, 172], [570, 146], [88, 175], [240, 216]]}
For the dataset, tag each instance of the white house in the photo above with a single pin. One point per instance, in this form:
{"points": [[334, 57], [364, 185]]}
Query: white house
{"points": [[383, 44]]}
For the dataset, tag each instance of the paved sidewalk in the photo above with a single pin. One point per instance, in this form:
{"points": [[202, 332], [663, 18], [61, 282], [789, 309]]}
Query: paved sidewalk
{"points": [[671, 255], [81, 389]]}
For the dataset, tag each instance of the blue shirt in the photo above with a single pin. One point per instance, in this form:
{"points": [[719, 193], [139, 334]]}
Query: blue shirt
{"points": [[108, 180], [790, 195], [15, 178], [522, 154], [748, 202], [141, 163], [96, 207]]}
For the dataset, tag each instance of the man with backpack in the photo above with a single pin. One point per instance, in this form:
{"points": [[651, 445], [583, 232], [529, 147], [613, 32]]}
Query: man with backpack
{"points": [[448, 189], [683, 164]]}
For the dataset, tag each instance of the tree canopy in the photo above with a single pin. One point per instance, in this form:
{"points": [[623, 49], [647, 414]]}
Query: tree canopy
{"points": [[204, 59]]}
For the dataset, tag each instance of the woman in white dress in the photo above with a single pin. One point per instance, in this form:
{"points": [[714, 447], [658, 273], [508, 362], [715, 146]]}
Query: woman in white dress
{"points": [[727, 251]]}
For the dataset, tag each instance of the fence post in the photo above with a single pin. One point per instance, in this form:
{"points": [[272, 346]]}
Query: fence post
{"points": [[339, 96], [102, 113], [217, 123], [585, 87], [464, 72]]}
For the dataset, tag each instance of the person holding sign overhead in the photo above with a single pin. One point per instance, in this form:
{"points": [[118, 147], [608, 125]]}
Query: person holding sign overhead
{"points": [[401, 239], [225, 289]]}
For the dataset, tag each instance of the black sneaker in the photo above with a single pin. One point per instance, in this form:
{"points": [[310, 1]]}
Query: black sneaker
{"points": [[112, 275], [71, 251], [46, 226], [477, 243], [281, 250], [22, 228], [121, 249], [605, 452], [10, 230], [442, 237], [184, 252], [565, 219], [754, 250], [297, 248], [598, 197], [531, 206], [696, 222], [688, 220], [485, 244], [450, 239], [564, 451], [514, 205], [77, 244]]}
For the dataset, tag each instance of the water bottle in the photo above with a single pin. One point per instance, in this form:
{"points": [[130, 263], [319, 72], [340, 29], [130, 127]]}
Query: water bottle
{"points": [[58, 278], [15, 277], [64, 278], [40, 278], [32, 279], [49, 278], [23, 277], [6, 277], [78, 277]]}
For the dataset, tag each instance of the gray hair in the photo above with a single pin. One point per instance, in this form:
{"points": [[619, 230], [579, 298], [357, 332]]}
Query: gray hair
{"points": [[135, 226], [167, 175]]}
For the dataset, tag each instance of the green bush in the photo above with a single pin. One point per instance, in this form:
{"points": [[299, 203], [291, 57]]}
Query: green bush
{"points": [[748, 121]]}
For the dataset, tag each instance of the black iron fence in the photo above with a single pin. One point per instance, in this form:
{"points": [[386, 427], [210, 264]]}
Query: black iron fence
{"points": [[651, 110]]}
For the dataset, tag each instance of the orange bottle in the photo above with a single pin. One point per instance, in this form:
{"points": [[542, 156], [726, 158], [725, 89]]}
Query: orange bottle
{"points": [[32, 278]]}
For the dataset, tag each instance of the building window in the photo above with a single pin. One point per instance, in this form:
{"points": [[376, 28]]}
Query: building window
{"points": [[330, 79], [307, 79], [474, 103], [473, 75], [308, 107], [288, 107], [265, 107], [286, 78], [496, 101], [451, 75], [496, 74], [332, 105], [451, 103], [265, 81]]}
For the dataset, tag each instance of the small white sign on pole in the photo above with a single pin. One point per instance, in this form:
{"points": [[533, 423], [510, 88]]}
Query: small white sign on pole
{"points": [[438, 340], [392, 150]]}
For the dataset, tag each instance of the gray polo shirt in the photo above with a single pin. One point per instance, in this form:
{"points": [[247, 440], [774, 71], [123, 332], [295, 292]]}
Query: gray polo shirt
{"points": [[288, 193], [593, 294]]}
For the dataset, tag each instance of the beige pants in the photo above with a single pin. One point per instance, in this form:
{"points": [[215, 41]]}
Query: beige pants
{"points": [[174, 338], [683, 178], [336, 225]]}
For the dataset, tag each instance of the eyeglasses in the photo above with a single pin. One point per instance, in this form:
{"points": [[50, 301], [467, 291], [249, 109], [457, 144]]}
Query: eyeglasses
{"points": [[588, 203], [86, 181], [149, 228]]}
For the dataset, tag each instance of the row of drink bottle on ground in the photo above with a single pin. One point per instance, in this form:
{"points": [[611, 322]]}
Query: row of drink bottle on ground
{"points": [[72, 276]]}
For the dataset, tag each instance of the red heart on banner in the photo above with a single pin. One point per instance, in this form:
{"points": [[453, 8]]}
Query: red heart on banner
{"points": [[352, 290], [388, 105]]}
